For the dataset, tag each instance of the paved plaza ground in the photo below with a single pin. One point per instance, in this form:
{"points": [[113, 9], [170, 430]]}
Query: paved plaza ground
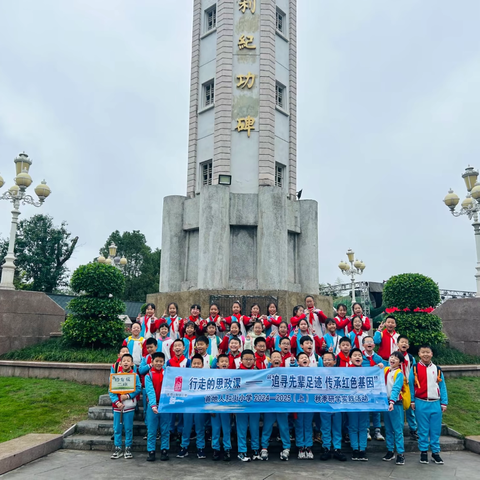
{"points": [[72, 465]]}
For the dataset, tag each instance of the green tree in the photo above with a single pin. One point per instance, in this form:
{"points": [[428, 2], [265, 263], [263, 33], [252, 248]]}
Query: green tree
{"points": [[142, 272], [94, 320], [41, 250]]}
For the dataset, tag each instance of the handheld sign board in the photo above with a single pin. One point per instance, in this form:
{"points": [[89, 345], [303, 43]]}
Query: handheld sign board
{"points": [[122, 383]]}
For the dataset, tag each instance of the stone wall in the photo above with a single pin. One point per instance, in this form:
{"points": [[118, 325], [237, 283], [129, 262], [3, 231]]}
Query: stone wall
{"points": [[286, 300], [27, 318], [460, 318]]}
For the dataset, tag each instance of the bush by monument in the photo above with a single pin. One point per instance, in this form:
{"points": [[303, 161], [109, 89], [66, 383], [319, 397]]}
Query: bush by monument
{"points": [[94, 319], [411, 297]]}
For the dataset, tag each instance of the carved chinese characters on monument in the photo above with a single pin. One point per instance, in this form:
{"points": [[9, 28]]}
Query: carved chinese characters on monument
{"points": [[244, 5], [247, 80], [245, 124]]}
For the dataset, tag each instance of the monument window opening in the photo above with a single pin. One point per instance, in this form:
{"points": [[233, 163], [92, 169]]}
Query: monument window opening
{"points": [[280, 95], [208, 93], [279, 175], [280, 21], [211, 18], [207, 173]]}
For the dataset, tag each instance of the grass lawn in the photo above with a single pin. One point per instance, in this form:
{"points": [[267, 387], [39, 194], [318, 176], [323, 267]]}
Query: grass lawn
{"points": [[57, 350], [463, 412], [31, 405]]}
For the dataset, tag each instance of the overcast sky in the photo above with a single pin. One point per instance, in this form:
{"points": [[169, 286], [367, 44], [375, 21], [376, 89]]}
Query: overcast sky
{"points": [[96, 92]]}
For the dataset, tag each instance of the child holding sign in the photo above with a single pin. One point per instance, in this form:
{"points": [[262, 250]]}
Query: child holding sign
{"points": [[123, 411]]}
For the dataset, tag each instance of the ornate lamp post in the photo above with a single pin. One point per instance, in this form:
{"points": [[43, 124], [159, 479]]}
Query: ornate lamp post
{"points": [[16, 194], [471, 208], [113, 258], [355, 268]]}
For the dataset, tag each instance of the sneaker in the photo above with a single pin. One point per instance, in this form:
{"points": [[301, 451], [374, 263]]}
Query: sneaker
{"points": [[145, 437], [301, 453], [264, 454], [284, 454], [256, 455], [423, 457], [400, 459], [378, 435], [362, 456], [317, 438], [164, 455], [182, 453], [243, 457], [308, 453], [216, 455], [326, 455], [346, 439], [118, 453], [338, 455], [201, 453], [355, 455], [151, 457], [226, 456], [413, 435], [389, 456], [128, 453], [369, 437], [437, 458]]}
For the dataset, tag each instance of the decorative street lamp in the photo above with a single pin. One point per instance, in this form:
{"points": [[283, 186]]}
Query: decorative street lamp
{"points": [[355, 268], [16, 194], [471, 208], [113, 258]]}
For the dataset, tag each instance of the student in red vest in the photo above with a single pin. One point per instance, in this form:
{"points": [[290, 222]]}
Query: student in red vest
{"points": [[357, 310], [237, 317], [194, 317], [273, 340], [343, 358], [235, 331], [298, 314], [315, 316], [117, 366], [341, 320], [272, 320], [261, 360], [357, 335], [147, 321], [189, 336], [429, 403], [178, 359], [386, 337], [288, 359], [235, 355]]}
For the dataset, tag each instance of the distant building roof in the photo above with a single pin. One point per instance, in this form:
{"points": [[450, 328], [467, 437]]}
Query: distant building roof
{"points": [[132, 308]]}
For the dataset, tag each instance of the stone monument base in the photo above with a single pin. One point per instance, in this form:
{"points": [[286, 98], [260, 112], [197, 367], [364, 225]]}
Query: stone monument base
{"points": [[27, 318], [285, 300], [460, 323]]}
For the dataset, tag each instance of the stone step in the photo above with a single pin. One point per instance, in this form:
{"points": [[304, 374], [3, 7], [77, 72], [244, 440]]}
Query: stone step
{"points": [[106, 413], [104, 400], [103, 443]]}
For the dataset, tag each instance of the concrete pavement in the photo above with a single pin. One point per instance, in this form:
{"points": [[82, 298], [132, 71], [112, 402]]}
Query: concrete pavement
{"points": [[73, 465]]}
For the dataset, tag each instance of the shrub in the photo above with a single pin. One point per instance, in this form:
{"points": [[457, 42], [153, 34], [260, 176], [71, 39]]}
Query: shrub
{"points": [[94, 319], [143, 309], [412, 291]]}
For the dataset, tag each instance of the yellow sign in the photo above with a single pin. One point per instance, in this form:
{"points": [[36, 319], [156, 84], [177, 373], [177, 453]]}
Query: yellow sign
{"points": [[245, 124], [245, 41], [244, 5], [122, 383], [246, 80]]}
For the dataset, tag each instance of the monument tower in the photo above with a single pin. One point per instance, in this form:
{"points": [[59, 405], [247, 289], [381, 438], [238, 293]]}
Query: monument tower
{"points": [[241, 230]]}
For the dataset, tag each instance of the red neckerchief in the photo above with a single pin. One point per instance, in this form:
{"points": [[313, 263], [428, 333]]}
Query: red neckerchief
{"points": [[357, 340], [175, 362], [193, 319], [212, 320], [369, 358], [345, 359], [190, 339], [260, 361], [243, 367], [392, 340], [311, 315]]}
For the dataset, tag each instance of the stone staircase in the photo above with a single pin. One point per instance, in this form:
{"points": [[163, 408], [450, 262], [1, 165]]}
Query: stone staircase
{"points": [[95, 434]]}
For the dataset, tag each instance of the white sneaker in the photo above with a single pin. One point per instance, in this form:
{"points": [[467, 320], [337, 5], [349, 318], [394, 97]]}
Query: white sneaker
{"points": [[128, 453], [284, 454], [301, 453], [118, 453], [308, 454], [264, 454], [369, 437], [378, 435]]}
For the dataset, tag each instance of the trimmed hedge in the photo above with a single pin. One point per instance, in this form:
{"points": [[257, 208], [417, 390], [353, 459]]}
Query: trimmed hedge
{"points": [[411, 290]]}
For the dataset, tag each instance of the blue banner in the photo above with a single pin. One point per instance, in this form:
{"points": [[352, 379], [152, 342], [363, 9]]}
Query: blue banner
{"points": [[311, 389]]}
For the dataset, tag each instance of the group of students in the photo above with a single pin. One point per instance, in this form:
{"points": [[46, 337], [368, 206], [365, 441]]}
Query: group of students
{"points": [[415, 390]]}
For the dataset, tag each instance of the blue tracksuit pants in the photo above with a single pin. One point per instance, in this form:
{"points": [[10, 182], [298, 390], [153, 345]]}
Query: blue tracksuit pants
{"points": [[412, 422], [282, 422], [179, 426], [155, 420], [357, 429], [429, 419], [304, 430], [331, 430], [127, 425], [245, 421], [376, 420], [221, 424], [394, 428], [188, 420]]}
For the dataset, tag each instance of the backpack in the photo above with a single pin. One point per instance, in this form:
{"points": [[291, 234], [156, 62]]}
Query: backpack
{"points": [[405, 392]]}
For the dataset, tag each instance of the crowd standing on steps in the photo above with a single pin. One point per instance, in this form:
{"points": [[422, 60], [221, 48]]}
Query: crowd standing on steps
{"points": [[416, 391]]}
